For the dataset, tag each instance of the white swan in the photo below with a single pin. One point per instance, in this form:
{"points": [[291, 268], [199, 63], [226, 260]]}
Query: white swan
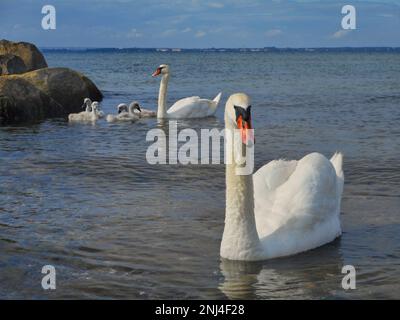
{"points": [[125, 113], [192, 107], [86, 116], [286, 207]]}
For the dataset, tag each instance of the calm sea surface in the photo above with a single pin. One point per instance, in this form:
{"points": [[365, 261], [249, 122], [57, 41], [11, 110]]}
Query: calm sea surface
{"points": [[84, 199]]}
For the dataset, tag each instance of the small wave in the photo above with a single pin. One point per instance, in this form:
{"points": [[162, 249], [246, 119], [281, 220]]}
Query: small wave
{"points": [[384, 98]]}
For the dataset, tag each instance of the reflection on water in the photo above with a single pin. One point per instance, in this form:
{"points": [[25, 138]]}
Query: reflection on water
{"points": [[316, 274], [83, 198]]}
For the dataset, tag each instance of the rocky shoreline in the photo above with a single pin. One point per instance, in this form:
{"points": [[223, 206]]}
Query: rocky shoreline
{"points": [[30, 91]]}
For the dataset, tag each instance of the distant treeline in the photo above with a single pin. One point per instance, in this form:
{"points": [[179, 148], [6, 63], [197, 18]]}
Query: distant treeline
{"points": [[266, 49]]}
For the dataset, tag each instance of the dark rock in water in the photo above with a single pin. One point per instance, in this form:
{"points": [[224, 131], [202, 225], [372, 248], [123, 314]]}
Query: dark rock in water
{"points": [[29, 91], [44, 93], [29, 53], [11, 64], [20, 101], [68, 87]]}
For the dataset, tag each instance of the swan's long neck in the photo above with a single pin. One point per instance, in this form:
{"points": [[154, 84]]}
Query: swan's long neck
{"points": [[162, 97], [240, 240], [88, 106]]}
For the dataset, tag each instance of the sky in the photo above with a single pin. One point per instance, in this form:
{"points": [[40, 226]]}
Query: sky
{"points": [[202, 23]]}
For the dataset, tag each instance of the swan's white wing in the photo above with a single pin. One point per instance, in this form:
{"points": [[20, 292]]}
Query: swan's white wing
{"points": [[192, 107], [266, 181], [297, 196]]}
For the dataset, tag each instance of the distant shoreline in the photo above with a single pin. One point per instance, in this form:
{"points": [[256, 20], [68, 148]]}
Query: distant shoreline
{"points": [[266, 49]]}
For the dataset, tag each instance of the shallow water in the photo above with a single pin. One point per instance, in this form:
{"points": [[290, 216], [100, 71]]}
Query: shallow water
{"points": [[84, 199]]}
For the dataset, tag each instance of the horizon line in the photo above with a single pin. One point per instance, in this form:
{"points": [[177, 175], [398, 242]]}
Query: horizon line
{"points": [[219, 48]]}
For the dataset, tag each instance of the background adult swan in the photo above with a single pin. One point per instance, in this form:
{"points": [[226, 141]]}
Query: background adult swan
{"points": [[191, 107], [286, 207]]}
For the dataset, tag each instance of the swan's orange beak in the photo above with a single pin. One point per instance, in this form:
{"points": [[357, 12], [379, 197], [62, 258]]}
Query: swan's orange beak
{"points": [[156, 73], [245, 130], [243, 121]]}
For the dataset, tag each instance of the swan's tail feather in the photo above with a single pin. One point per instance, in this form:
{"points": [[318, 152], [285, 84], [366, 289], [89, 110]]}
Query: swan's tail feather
{"points": [[217, 98], [337, 162], [213, 106]]}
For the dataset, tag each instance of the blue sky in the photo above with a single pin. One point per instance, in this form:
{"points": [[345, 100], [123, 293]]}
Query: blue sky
{"points": [[201, 23]]}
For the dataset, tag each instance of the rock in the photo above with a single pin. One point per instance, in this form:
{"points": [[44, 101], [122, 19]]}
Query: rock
{"points": [[11, 64], [29, 91], [20, 101], [44, 93], [29, 53], [65, 86]]}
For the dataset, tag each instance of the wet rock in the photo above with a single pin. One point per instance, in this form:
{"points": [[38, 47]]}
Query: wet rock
{"points": [[20, 101], [44, 93], [11, 64], [28, 52]]}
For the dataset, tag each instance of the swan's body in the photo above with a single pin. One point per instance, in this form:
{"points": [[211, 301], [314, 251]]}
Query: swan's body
{"points": [[125, 113], [122, 107], [191, 107], [86, 116], [286, 207], [143, 113], [146, 113]]}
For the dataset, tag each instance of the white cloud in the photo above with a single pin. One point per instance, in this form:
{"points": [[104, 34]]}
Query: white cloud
{"points": [[186, 30], [133, 33], [273, 33], [216, 5], [178, 19], [168, 32], [386, 15], [200, 34], [340, 34]]}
